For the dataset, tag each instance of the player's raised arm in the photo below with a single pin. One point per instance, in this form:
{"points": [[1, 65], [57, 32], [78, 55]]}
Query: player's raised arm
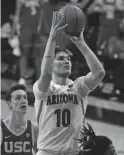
{"points": [[47, 62], [93, 78]]}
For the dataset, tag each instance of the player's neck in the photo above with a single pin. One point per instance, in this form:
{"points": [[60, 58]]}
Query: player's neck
{"points": [[16, 120], [60, 80]]}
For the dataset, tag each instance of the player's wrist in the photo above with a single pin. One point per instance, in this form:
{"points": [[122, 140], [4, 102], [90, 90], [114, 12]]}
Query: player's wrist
{"points": [[81, 43], [52, 37]]}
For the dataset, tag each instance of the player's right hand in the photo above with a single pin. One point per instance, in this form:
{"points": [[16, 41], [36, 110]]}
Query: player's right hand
{"points": [[57, 26]]}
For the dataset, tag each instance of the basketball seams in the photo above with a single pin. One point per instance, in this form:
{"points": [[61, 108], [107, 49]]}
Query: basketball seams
{"points": [[73, 16], [65, 18], [76, 19]]}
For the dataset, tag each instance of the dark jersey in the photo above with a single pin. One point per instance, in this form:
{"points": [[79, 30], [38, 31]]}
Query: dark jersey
{"points": [[16, 145]]}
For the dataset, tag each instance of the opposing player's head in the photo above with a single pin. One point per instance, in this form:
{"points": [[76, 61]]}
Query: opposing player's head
{"points": [[16, 98], [62, 62], [99, 145]]}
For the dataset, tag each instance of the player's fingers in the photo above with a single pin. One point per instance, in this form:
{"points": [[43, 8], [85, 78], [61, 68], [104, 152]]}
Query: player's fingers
{"points": [[81, 35], [63, 27], [53, 18], [87, 150], [74, 38], [60, 21], [67, 35]]}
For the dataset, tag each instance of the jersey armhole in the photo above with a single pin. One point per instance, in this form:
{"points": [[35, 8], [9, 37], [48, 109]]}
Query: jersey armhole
{"points": [[32, 130], [1, 135]]}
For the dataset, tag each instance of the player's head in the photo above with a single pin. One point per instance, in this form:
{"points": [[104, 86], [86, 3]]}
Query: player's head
{"points": [[99, 145], [62, 62], [16, 98]]}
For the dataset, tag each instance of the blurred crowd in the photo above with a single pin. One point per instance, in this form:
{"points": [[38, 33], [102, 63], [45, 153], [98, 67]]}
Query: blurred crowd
{"points": [[25, 27]]}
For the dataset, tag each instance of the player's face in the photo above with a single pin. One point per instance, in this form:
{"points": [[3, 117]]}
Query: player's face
{"points": [[62, 64], [111, 150], [19, 101]]}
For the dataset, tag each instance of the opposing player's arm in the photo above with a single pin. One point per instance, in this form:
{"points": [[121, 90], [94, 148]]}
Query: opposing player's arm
{"points": [[35, 131], [97, 72], [47, 62]]}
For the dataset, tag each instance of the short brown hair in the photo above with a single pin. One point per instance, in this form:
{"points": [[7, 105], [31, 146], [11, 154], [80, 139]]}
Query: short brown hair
{"points": [[14, 88], [58, 49]]}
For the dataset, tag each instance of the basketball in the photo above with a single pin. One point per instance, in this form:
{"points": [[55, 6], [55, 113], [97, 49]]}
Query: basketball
{"points": [[74, 17]]}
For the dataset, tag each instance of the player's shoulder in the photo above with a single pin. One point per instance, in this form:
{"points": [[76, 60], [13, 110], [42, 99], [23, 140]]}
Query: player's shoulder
{"points": [[2, 122]]}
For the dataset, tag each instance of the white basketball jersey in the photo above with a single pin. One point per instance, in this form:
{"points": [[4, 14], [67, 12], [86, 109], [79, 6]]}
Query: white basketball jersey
{"points": [[60, 112]]}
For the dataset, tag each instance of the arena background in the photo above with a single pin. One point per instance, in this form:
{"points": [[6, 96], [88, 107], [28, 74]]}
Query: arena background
{"points": [[106, 108]]}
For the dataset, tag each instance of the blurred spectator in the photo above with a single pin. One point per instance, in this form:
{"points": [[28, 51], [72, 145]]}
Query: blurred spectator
{"points": [[8, 67], [29, 14], [48, 8], [92, 27], [115, 50], [7, 10], [111, 13]]}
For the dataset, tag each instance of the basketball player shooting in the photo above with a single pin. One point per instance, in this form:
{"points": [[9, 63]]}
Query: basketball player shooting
{"points": [[60, 103]]}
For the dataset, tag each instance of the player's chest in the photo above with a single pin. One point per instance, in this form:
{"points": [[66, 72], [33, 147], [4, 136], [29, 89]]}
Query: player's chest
{"points": [[17, 144], [62, 99]]}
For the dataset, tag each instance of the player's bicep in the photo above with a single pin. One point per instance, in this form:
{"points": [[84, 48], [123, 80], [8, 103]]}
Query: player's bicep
{"points": [[82, 87], [92, 80]]}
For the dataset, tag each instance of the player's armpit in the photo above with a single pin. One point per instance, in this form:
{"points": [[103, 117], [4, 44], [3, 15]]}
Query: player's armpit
{"points": [[1, 135], [92, 80]]}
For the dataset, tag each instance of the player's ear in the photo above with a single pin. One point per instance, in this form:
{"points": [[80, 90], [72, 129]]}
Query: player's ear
{"points": [[9, 105]]}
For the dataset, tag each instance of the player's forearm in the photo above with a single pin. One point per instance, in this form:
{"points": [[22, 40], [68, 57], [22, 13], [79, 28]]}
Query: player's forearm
{"points": [[93, 62], [47, 65], [47, 62]]}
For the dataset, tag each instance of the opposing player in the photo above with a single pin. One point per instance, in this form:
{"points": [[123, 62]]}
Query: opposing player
{"points": [[18, 135], [98, 144], [61, 103]]}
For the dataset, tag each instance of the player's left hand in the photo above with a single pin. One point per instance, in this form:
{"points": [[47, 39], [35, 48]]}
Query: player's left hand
{"points": [[76, 40]]}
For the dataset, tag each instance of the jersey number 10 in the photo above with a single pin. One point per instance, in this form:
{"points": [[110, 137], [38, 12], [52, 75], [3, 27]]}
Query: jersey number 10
{"points": [[63, 117]]}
